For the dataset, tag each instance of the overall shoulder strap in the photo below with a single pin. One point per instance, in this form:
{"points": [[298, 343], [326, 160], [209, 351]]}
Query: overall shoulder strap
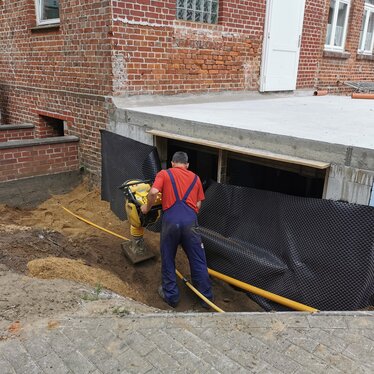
{"points": [[190, 189], [171, 176]]}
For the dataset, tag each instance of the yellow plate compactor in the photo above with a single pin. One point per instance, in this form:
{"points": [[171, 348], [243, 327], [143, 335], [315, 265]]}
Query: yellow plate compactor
{"points": [[136, 192]]}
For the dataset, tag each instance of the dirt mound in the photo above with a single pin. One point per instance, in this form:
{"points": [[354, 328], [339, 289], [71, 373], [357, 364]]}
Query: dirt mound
{"points": [[77, 270]]}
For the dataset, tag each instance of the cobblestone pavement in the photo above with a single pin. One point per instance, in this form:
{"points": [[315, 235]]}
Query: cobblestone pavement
{"points": [[194, 343]]}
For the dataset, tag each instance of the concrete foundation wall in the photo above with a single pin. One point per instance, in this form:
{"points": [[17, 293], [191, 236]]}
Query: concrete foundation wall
{"points": [[29, 192], [349, 184]]}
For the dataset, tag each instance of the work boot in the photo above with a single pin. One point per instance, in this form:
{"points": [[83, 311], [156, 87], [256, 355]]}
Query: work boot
{"points": [[162, 295], [205, 305]]}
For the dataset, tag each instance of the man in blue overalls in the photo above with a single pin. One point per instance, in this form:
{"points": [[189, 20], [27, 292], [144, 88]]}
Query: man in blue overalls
{"points": [[182, 194]]}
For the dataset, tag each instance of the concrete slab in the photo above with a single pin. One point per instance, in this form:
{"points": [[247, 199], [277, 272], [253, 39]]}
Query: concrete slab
{"points": [[331, 119], [335, 130]]}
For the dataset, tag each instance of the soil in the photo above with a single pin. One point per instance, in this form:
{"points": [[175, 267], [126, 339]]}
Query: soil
{"points": [[74, 258]]}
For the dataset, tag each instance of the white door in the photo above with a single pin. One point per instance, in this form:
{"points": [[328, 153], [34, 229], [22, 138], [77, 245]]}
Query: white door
{"points": [[282, 39]]}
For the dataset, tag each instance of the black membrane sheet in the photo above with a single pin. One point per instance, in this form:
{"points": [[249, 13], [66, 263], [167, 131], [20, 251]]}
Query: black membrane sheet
{"points": [[123, 159], [317, 252]]}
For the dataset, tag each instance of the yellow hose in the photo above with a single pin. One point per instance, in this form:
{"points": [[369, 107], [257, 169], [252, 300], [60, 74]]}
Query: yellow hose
{"points": [[266, 294], [94, 225], [247, 287], [188, 284]]}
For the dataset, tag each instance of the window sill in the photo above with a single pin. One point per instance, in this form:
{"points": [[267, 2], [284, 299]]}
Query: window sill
{"points": [[336, 54], [51, 26], [361, 56]]}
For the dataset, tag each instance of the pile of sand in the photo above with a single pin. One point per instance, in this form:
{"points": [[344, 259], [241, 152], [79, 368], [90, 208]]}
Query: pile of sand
{"points": [[87, 204], [77, 270]]}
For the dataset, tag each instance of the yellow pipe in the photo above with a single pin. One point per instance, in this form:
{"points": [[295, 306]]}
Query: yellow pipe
{"points": [[188, 284], [266, 294], [94, 225], [215, 307]]}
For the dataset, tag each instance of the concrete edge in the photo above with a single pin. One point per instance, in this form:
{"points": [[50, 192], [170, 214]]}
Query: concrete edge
{"points": [[173, 314], [283, 144], [17, 127], [42, 141]]}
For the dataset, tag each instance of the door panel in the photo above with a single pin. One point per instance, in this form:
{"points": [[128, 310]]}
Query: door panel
{"points": [[282, 45]]}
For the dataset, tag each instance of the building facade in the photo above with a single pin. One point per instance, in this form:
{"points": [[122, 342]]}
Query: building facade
{"points": [[62, 62]]}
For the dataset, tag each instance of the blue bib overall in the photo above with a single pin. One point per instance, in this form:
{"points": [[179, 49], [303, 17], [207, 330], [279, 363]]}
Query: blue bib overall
{"points": [[179, 226]]}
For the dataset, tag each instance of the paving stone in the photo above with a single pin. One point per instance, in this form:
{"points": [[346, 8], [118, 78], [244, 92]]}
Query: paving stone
{"points": [[271, 338], [78, 364], [138, 343], [6, 367], [131, 362], [306, 359], [53, 364], [294, 320], [209, 343], [209, 354], [329, 338], [360, 322], [15, 353], [280, 361], [300, 338], [80, 338], [38, 346], [362, 351], [248, 361], [60, 343], [103, 360], [29, 368], [326, 321]]}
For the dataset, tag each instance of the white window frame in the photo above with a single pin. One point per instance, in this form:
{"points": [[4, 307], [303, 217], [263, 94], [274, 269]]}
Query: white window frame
{"points": [[39, 20], [368, 8], [330, 46]]}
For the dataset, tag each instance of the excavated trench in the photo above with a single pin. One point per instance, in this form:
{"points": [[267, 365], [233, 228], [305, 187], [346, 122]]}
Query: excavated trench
{"points": [[48, 244]]}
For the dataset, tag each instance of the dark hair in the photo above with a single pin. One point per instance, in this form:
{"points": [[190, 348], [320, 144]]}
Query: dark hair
{"points": [[180, 158]]}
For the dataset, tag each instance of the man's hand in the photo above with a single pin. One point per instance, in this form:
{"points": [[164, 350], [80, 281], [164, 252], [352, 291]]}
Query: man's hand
{"points": [[144, 209], [151, 198]]}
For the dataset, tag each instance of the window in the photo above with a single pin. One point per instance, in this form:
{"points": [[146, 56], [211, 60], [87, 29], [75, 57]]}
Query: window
{"points": [[337, 25], [198, 10], [47, 11], [367, 28]]}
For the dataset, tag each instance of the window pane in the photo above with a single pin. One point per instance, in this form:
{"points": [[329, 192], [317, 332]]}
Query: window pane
{"points": [[369, 34], [340, 23], [329, 24], [369, 2], [198, 10], [362, 29], [50, 9]]}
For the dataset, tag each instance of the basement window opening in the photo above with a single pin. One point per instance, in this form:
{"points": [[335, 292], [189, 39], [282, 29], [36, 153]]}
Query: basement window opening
{"points": [[212, 164], [52, 127], [290, 179]]}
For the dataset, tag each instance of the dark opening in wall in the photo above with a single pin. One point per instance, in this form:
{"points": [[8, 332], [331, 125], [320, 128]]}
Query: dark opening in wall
{"points": [[287, 178], [203, 160], [50, 127], [250, 171]]}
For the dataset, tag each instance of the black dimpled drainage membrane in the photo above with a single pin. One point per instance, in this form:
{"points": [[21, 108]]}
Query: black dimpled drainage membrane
{"points": [[317, 252]]}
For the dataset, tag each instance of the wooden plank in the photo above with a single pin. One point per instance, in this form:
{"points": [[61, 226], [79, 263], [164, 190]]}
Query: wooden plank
{"points": [[243, 150]]}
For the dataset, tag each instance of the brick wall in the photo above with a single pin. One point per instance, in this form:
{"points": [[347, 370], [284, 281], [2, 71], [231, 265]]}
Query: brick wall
{"points": [[333, 69], [65, 71], [311, 42], [155, 53], [21, 162], [15, 134], [138, 47]]}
